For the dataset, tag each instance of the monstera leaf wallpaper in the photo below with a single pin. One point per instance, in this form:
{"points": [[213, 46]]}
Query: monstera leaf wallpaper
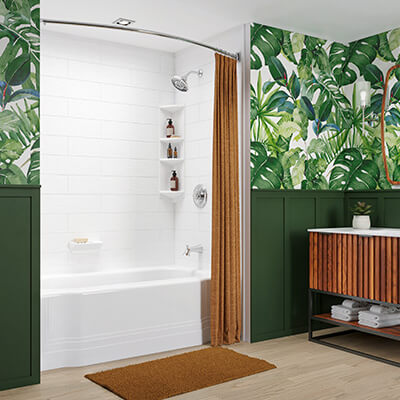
{"points": [[306, 129], [19, 91]]}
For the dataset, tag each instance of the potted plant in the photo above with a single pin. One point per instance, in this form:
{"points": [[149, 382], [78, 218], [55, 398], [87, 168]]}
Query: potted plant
{"points": [[361, 215]]}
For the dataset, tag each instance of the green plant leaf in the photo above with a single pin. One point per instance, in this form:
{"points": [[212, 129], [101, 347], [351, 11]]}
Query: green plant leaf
{"points": [[352, 172], [374, 75], [294, 85], [383, 182], [289, 159], [297, 42], [8, 121], [307, 107], [266, 171], [10, 150], [313, 43], [266, 42], [300, 117], [395, 92], [297, 172], [325, 110], [276, 100], [316, 146], [314, 169], [18, 70], [288, 128], [24, 94], [13, 175], [384, 48], [34, 166], [277, 70], [396, 173], [343, 58], [287, 48], [394, 39], [304, 67]]}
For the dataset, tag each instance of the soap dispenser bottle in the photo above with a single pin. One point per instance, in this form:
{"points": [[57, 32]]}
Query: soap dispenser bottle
{"points": [[174, 182], [170, 131]]}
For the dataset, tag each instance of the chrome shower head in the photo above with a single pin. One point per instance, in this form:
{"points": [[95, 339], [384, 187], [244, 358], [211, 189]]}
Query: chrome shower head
{"points": [[180, 82]]}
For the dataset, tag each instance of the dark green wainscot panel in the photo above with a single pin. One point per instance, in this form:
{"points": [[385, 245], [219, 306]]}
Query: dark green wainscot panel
{"points": [[279, 256], [279, 249], [19, 286]]}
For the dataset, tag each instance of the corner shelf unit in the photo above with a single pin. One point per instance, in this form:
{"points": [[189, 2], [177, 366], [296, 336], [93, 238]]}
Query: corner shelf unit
{"points": [[356, 265], [167, 165]]}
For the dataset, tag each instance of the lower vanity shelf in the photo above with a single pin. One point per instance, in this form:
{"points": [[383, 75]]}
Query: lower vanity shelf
{"points": [[392, 332]]}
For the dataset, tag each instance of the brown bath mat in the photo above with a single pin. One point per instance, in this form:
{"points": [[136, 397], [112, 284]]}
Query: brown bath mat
{"points": [[167, 377]]}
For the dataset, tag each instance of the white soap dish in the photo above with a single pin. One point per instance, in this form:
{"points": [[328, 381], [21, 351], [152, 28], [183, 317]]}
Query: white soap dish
{"points": [[83, 247]]}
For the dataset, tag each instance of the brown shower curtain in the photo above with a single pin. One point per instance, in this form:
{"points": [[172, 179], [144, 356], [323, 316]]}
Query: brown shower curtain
{"points": [[225, 258]]}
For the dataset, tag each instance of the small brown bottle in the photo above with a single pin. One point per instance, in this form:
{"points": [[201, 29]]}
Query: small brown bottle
{"points": [[170, 131], [175, 153], [174, 182], [169, 151]]}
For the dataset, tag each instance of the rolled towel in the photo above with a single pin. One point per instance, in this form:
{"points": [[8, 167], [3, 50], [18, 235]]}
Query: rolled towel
{"points": [[344, 317], [370, 316], [383, 309], [353, 304], [377, 325], [348, 311]]}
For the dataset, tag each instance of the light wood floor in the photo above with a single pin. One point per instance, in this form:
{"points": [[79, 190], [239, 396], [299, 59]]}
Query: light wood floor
{"points": [[306, 371]]}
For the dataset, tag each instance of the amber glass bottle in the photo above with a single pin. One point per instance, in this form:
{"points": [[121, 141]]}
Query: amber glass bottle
{"points": [[174, 182]]}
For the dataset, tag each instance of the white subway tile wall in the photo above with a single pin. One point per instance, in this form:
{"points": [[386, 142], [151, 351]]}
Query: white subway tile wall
{"points": [[100, 138]]}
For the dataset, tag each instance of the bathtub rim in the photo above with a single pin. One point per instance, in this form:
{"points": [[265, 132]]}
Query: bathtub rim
{"points": [[196, 275]]}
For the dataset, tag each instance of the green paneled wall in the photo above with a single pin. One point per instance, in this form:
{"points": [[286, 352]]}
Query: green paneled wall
{"points": [[19, 286], [279, 249]]}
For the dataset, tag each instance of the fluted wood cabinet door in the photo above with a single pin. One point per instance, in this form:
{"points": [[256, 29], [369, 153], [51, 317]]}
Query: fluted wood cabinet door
{"points": [[354, 265]]}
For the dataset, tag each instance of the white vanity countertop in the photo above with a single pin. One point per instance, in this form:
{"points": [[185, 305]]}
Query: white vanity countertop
{"points": [[387, 232]]}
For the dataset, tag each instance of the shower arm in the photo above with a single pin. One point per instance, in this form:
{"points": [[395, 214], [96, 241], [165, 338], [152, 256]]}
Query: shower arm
{"points": [[390, 180]]}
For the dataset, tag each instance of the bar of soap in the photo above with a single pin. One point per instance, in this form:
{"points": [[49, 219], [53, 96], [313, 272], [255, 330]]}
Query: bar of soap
{"points": [[80, 240]]}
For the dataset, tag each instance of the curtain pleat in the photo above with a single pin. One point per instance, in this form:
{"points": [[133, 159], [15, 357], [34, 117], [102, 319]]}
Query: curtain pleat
{"points": [[225, 258]]}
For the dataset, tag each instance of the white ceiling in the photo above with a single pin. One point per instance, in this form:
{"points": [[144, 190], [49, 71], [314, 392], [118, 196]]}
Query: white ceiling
{"points": [[341, 20]]}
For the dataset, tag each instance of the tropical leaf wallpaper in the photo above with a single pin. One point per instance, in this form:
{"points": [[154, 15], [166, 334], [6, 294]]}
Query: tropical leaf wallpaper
{"points": [[19, 91], [306, 128]]}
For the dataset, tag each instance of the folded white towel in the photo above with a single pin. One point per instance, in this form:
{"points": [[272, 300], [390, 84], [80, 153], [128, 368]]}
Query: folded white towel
{"points": [[348, 311], [344, 317], [376, 324], [353, 304], [383, 309], [370, 316]]}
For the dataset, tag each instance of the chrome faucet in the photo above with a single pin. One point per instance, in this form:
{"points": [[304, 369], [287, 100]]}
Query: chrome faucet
{"points": [[198, 248]]}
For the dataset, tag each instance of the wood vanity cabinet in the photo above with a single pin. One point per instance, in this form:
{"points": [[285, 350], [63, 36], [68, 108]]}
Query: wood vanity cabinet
{"points": [[19, 286], [354, 264], [360, 264]]}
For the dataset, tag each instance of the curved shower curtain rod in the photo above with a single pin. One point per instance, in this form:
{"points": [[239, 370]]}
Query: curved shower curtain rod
{"points": [[145, 31]]}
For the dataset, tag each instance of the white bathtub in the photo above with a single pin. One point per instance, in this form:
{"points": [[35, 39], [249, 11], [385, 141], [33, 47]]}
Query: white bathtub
{"points": [[90, 318]]}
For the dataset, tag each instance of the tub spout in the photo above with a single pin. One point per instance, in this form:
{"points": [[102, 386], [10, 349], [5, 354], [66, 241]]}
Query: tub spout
{"points": [[198, 248]]}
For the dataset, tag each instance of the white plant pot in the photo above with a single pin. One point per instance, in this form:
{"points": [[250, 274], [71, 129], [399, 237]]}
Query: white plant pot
{"points": [[361, 222]]}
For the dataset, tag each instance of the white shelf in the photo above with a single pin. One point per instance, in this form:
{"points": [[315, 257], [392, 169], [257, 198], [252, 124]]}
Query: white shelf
{"points": [[171, 160], [89, 246], [169, 194], [172, 139], [172, 108]]}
